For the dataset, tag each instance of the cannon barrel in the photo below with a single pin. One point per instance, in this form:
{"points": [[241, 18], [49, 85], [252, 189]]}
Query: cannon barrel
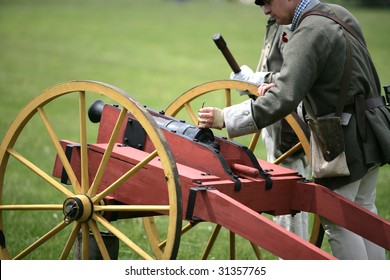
{"points": [[199, 141], [192, 132]]}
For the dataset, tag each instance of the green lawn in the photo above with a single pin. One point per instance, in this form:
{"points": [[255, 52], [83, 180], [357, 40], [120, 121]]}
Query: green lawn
{"points": [[154, 50]]}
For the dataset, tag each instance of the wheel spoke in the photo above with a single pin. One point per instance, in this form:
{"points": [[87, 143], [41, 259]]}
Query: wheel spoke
{"points": [[41, 240], [85, 241], [317, 234], [287, 154], [31, 207], [187, 227], [184, 229], [151, 228], [155, 242], [60, 151], [211, 241], [121, 236], [228, 97], [124, 177], [254, 141], [69, 243], [83, 143], [107, 154], [132, 208], [190, 112], [99, 240], [257, 251], [40, 172]]}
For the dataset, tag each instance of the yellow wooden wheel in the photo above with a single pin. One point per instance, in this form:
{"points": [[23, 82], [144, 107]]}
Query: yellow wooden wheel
{"points": [[40, 217], [223, 93]]}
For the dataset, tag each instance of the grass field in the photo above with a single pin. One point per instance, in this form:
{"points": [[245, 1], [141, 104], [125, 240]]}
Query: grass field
{"points": [[154, 50]]}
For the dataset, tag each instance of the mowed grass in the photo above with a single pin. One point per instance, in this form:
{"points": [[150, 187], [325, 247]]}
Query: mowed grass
{"points": [[155, 50]]}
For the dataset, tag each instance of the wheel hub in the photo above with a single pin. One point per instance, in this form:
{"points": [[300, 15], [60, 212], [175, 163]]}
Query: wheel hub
{"points": [[78, 208]]}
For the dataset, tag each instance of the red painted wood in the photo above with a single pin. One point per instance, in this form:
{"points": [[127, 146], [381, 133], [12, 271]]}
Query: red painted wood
{"points": [[318, 199], [221, 209], [199, 165], [239, 211]]}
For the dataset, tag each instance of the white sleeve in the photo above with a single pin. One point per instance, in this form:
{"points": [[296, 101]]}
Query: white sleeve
{"points": [[239, 119]]}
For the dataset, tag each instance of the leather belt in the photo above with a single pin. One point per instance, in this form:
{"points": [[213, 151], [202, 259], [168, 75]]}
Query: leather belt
{"points": [[370, 103], [359, 108], [374, 102]]}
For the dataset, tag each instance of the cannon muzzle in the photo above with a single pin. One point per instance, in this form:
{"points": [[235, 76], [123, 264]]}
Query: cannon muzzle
{"points": [[95, 111]]}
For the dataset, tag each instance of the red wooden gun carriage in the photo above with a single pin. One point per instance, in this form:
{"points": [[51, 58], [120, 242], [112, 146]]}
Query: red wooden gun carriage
{"points": [[154, 168]]}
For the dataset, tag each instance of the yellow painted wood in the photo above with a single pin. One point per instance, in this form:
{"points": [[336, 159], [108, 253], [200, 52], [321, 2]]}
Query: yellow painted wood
{"points": [[70, 241], [107, 154], [84, 190], [125, 177]]}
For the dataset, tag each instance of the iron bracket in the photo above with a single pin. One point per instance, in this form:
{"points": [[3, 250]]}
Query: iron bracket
{"points": [[192, 200], [135, 135]]}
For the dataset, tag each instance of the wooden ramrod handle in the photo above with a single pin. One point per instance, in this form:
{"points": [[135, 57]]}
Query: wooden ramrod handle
{"points": [[222, 46]]}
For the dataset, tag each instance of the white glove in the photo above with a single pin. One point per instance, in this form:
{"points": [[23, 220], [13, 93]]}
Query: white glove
{"points": [[247, 75]]}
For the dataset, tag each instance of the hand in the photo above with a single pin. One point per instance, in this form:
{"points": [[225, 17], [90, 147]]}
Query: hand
{"points": [[210, 117], [263, 88]]}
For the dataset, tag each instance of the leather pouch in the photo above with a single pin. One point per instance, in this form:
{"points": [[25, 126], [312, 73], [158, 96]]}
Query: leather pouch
{"points": [[327, 148]]}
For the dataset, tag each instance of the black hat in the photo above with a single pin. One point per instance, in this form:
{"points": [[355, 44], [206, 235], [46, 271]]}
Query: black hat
{"points": [[259, 2]]}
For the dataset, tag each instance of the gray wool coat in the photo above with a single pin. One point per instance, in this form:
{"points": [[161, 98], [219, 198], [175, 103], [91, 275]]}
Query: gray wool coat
{"points": [[314, 60]]}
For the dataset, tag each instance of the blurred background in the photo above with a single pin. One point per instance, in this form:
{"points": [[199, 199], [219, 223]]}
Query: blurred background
{"points": [[155, 50], [147, 48]]}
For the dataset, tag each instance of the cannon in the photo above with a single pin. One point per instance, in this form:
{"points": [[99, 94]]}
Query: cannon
{"points": [[122, 170]]}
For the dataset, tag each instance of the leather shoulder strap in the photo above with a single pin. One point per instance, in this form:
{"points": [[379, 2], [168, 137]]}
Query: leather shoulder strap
{"points": [[336, 19], [350, 31], [347, 71]]}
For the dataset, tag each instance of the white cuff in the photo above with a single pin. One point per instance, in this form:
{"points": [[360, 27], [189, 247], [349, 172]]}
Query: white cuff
{"points": [[239, 119], [260, 77]]}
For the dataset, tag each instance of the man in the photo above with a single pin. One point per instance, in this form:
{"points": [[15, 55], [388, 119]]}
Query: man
{"points": [[278, 137], [315, 59]]}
